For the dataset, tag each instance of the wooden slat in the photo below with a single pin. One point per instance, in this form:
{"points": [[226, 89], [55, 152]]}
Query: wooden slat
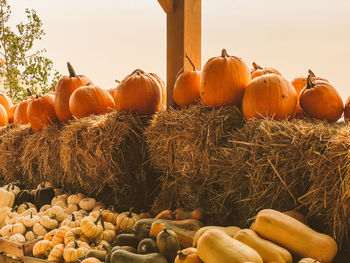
{"points": [[34, 260], [167, 5], [5, 259], [17, 249], [183, 37]]}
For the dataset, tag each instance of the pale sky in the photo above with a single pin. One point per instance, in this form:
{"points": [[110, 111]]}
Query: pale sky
{"points": [[107, 39]]}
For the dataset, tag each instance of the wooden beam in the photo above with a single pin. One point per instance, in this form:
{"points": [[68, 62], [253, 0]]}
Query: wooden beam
{"points": [[167, 5], [183, 37]]}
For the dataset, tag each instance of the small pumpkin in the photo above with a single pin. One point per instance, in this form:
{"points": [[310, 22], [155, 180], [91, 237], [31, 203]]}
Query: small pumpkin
{"points": [[56, 254], [75, 250], [42, 248], [11, 114], [320, 100], [30, 220], [188, 255], [108, 233], [25, 206], [259, 71], [39, 230], [56, 212], [91, 260], [5, 101], [223, 80], [75, 198], [88, 100], [18, 228], [6, 198], [64, 89], [140, 92], [269, 95], [72, 222], [6, 230], [19, 238], [87, 203], [70, 209], [43, 196], [110, 216], [49, 236], [59, 236], [20, 116], [48, 222], [127, 220], [75, 234], [186, 87], [24, 196], [347, 110], [30, 235], [41, 112], [91, 227], [3, 116]]}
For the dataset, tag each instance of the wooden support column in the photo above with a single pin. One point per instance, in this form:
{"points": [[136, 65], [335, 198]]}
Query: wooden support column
{"points": [[183, 37]]}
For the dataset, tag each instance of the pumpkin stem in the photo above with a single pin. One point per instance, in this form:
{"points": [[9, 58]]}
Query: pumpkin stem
{"points": [[36, 96], [311, 73], [182, 256], [31, 215], [189, 60], [26, 204], [98, 219], [256, 66], [138, 72], [224, 53], [117, 81], [71, 71], [130, 212], [76, 244], [29, 92], [309, 82], [73, 217], [102, 222]]}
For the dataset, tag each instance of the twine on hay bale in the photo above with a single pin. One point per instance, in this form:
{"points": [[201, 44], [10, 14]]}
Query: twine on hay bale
{"points": [[12, 141], [40, 159], [105, 155]]}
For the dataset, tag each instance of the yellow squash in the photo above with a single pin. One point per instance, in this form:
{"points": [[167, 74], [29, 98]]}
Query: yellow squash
{"points": [[230, 230]]}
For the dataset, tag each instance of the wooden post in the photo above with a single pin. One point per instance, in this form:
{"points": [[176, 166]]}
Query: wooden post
{"points": [[183, 37]]}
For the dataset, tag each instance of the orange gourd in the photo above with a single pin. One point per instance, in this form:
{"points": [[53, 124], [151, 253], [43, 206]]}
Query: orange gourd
{"points": [[347, 110], [64, 89], [11, 113], [320, 100], [5, 101], [223, 80], [269, 95], [186, 88], [3, 116], [259, 71], [139, 92], [187, 255], [20, 116], [88, 100], [41, 112]]}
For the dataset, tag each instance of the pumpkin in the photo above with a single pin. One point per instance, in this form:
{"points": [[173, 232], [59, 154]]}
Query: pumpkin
{"points": [[43, 196], [3, 116], [75, 199], [19, 238], [88, 100], [186, 87], [45, 185], [59, 236], [91, 227], [12, 218], [49, 236], [42, 248], [100, 245], [20, 116], [11, 114], [70, 209], [165, 214], [108, 234], [75, 250], [269, 252], [229, 230], [48, 222], [12, 188], [168, 244], [18, 228], [41, 112], [4, 212], [72, 222], [75, 234], [44, 208], [320, 100], [56, 254], [347, 110], [215, 246], [188, 255], [140, 92], [62, 198], [123, 256], [6, 198], [269, 95], [30, 220], [259, 71], [294, 235], [5, 101], [87, 203], [30, 235], [56, 212], [126, 220], [6, 230], [25, 206], [223, 80], [109, 216], [24, 196], [39, 230], [64, 89], [91, 260]]}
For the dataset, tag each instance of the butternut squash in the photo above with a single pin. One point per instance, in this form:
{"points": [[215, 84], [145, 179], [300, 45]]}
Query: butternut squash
{"points": [[295, 236], [126, 240], [147, 246], [268, 251], [168, 244], [142, 227], [230, 230], [215, 246], [123, 256], [308, 260]]}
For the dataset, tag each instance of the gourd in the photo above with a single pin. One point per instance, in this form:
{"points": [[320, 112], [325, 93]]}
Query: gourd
{"points": [[56, 253], [147, 246], [43, 196], [18, 228], [24, 196], [39, 230], [6, 198], [56, 199], [4, 212], [56, 212], [347, 110], [63, 90], [59, 236], [25, 206], [215, 246], [6, 230], [30, 235], [223, 80], [30, 220], [181, 214], [294, 235], [75, 199], [109, 216], [108, 233], [126, 240], [269, 252], [70, 209], [75, 234], [75, 250], [91, 228], [99, 254], [188, 255], [123, 256], [230, 230], [42, 248], [168, 244], [19, 238], [127, 220], [5, 101], [142, 227], [87, 203], [72, 222], [259, 71], [48, 222], [91, 260]]}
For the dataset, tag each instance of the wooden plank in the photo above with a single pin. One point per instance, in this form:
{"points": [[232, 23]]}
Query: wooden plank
{"points": [[5, 259], [17, 249], [183, 37], [167, 5], [34, 260]]}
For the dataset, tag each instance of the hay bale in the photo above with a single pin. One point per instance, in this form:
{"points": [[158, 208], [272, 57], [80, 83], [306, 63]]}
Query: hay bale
{"points": [[11, 146], [105, 156], [40, 159]]}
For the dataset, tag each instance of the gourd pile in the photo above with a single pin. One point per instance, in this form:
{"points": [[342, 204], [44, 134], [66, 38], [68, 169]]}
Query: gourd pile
{"points": [[75, 228]]}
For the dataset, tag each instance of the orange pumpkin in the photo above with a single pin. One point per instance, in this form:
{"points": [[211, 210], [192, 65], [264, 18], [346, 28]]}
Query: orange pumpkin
{"points": [[269, 95], [223, 80], [64, 89], [3, 116], [20, 116], [11, 113], [5, 101], [88, 100], [41, 112], [259, 71], [140, 92], [187, 255], [347, 110], [320, 100], [186, 88]]}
